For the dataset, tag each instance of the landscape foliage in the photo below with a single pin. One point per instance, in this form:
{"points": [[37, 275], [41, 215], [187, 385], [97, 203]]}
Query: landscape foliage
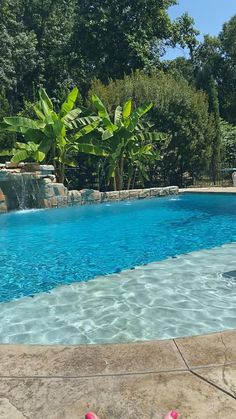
{"points": [[114, 50]]}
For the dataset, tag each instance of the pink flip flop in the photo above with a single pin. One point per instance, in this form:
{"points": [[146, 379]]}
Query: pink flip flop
{"points": [[173, 414], [91, 415]]}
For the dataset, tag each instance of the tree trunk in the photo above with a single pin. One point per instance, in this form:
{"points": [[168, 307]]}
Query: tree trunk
{"points": [[216, 138], [60, 173], [115, 186], [121, 173], [134, 177], [117, 179], [129, 183]]}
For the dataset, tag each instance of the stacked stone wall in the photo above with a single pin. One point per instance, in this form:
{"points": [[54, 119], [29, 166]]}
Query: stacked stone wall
{"points": [[47, 193]]}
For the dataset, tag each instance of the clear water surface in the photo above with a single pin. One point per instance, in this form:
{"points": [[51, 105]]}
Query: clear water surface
{"points": [[42, 249]]}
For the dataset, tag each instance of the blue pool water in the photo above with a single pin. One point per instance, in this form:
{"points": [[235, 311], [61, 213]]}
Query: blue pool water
{"points": [[42, 249]]}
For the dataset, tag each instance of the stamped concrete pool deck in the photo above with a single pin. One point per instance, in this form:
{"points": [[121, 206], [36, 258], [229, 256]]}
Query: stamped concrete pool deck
{"points": [[195, 375]]}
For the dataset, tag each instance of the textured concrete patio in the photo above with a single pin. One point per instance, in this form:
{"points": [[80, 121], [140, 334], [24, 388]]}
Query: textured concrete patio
{"points": [[195, 375]]}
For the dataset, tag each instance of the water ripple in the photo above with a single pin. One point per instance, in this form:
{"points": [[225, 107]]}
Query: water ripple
{"points": [[184, 296]]}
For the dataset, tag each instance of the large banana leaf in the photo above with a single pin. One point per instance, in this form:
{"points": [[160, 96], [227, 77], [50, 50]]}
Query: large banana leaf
{"points": [[39, 156], [142, 110], [107, 134], [69, 103], [102, 113], [118, 115], [6, 152], [86, 130], [150, 137], [136, 115], [34, 135], [91, 149], [6, 127], [70, 163], [86, 120], [71, 118], [45, 145], [19, 156], [21, 146], [146, 150], [46, 102], [127, 108], [21, 124], [59, 131], [38, 111], [31, 147]]}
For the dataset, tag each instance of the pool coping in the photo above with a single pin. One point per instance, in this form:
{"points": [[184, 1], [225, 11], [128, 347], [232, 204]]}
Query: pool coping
{"points": [[211, 189], [204, 367]]}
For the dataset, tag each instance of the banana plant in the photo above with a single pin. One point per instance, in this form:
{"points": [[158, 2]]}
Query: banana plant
{"points": [[54, 137], [126, 141]]}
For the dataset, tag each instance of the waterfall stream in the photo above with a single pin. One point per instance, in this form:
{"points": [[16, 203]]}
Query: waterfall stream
{"points": [[22, 191]]}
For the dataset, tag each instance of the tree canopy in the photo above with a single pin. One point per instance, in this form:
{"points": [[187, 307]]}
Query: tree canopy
{"points": [[62, 43]]}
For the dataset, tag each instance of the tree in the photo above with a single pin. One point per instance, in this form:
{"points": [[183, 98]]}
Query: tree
{"points": [[125, 141], [7, 139], [53, 137], [216, 56], [116, 37], [228, 144], [17, 51], [185, 34], [182, 67], [207, 62], [62, 43], [227, 39], [216, 134], [52, 22]]}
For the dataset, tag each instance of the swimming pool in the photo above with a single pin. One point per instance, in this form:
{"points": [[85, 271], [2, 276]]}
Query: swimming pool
{"points": [[40, 250], [134, 270]]}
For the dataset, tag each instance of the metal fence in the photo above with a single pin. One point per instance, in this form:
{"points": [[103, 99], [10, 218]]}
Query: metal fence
{"points": [[79, 179], [204, 179]]}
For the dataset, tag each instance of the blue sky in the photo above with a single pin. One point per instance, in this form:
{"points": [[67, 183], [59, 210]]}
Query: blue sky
{"points": [[209, 16]]}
